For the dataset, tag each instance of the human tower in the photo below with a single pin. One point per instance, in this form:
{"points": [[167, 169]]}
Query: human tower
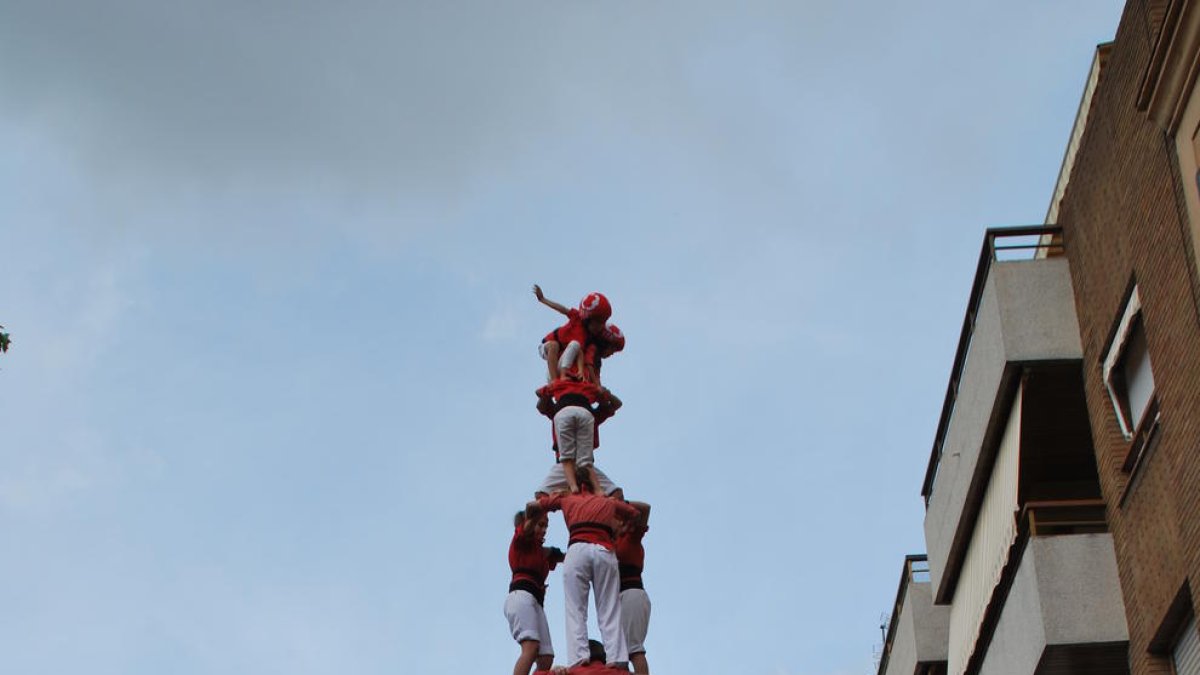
{"points": [[604, 554]]}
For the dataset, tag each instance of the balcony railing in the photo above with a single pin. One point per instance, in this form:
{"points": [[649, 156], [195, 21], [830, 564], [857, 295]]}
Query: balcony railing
{"points": [[1049, 518]]}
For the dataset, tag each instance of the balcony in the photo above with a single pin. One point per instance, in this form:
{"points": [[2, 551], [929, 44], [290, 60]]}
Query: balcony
{"points": [[1058, 608], [917, 634], [1020, 340]]}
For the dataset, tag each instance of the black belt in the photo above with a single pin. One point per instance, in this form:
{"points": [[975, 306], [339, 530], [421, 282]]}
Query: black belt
{"points": [[585, 526], [535, 589], [627, 584], [573, 400]]}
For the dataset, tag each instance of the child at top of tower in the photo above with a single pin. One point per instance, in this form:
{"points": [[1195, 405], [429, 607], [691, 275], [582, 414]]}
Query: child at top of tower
{"points": [[566, 346]]}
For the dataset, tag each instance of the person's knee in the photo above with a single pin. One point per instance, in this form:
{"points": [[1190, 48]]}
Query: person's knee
{"points": [[530, 647], [569, 355]]}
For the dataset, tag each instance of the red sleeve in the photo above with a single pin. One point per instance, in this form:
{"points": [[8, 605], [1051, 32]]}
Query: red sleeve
{"points": [[523, 539], [552, 502], [625, 510]]}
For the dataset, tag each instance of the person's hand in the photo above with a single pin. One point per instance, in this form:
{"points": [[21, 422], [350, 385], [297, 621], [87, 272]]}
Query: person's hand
{"points": [[537, 292]]}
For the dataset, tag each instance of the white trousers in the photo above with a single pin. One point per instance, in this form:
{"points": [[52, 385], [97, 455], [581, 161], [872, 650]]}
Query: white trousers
{"points": [[575, 431], [593, 565], [527, 620], [635, 618]]}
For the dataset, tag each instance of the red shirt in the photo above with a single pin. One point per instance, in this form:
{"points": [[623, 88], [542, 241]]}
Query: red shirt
{"points": [[565, 386], [590, 518], [572, 330], [587, 669], [631, 557], [530, 563]]}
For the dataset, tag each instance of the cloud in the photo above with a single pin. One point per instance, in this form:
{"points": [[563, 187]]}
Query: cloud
{"points": [[421, 99]]}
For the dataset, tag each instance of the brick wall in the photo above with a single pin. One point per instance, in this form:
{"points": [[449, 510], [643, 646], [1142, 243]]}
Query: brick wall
{"points": [[1123, 218]]}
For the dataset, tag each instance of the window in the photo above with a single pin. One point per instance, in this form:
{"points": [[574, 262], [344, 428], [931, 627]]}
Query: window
{"points": [[1187, 152], [1128, 372]]}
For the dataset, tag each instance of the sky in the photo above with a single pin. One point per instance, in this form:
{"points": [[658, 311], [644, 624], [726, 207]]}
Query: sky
{"points": [[266, 267]]}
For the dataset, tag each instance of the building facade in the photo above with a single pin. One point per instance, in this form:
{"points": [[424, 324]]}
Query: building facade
{"points": [[1063, 489]]}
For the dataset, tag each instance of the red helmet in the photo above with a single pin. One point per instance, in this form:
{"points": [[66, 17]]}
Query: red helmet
{"points": [[595, 305], [614, 337]]}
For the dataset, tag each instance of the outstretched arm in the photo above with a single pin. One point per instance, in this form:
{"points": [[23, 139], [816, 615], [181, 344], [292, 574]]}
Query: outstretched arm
{"points": [[537, 291], [541, 505]]}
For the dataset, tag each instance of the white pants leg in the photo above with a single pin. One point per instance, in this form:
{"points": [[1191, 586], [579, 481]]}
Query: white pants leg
{"points": [[576, 574], [635, 619], [527, 621], [575, 431], [606, 584], [566, 360]]}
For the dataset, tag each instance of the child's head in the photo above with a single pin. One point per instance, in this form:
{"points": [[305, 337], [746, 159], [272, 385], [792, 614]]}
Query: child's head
{"points": [[540, 524], [596, 652], [595, 305]]}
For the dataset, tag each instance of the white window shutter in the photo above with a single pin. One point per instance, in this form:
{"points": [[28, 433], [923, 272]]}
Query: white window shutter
{"points": [[1187, 651]]}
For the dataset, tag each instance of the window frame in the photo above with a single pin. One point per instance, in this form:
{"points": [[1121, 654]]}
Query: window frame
{"points": [[1142, 434]]}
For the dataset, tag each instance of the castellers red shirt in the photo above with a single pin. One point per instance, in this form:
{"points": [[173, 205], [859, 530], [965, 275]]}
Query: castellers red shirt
{"points": [[631, 556], [572, 330], [531, 563], [590, 518]]}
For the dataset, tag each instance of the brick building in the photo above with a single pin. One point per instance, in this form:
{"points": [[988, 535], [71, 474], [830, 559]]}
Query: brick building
{"points": [[1063, 489]]}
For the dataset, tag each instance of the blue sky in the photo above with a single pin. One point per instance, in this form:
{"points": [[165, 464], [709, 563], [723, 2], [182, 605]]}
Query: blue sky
{"points": [[266, 267]]}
